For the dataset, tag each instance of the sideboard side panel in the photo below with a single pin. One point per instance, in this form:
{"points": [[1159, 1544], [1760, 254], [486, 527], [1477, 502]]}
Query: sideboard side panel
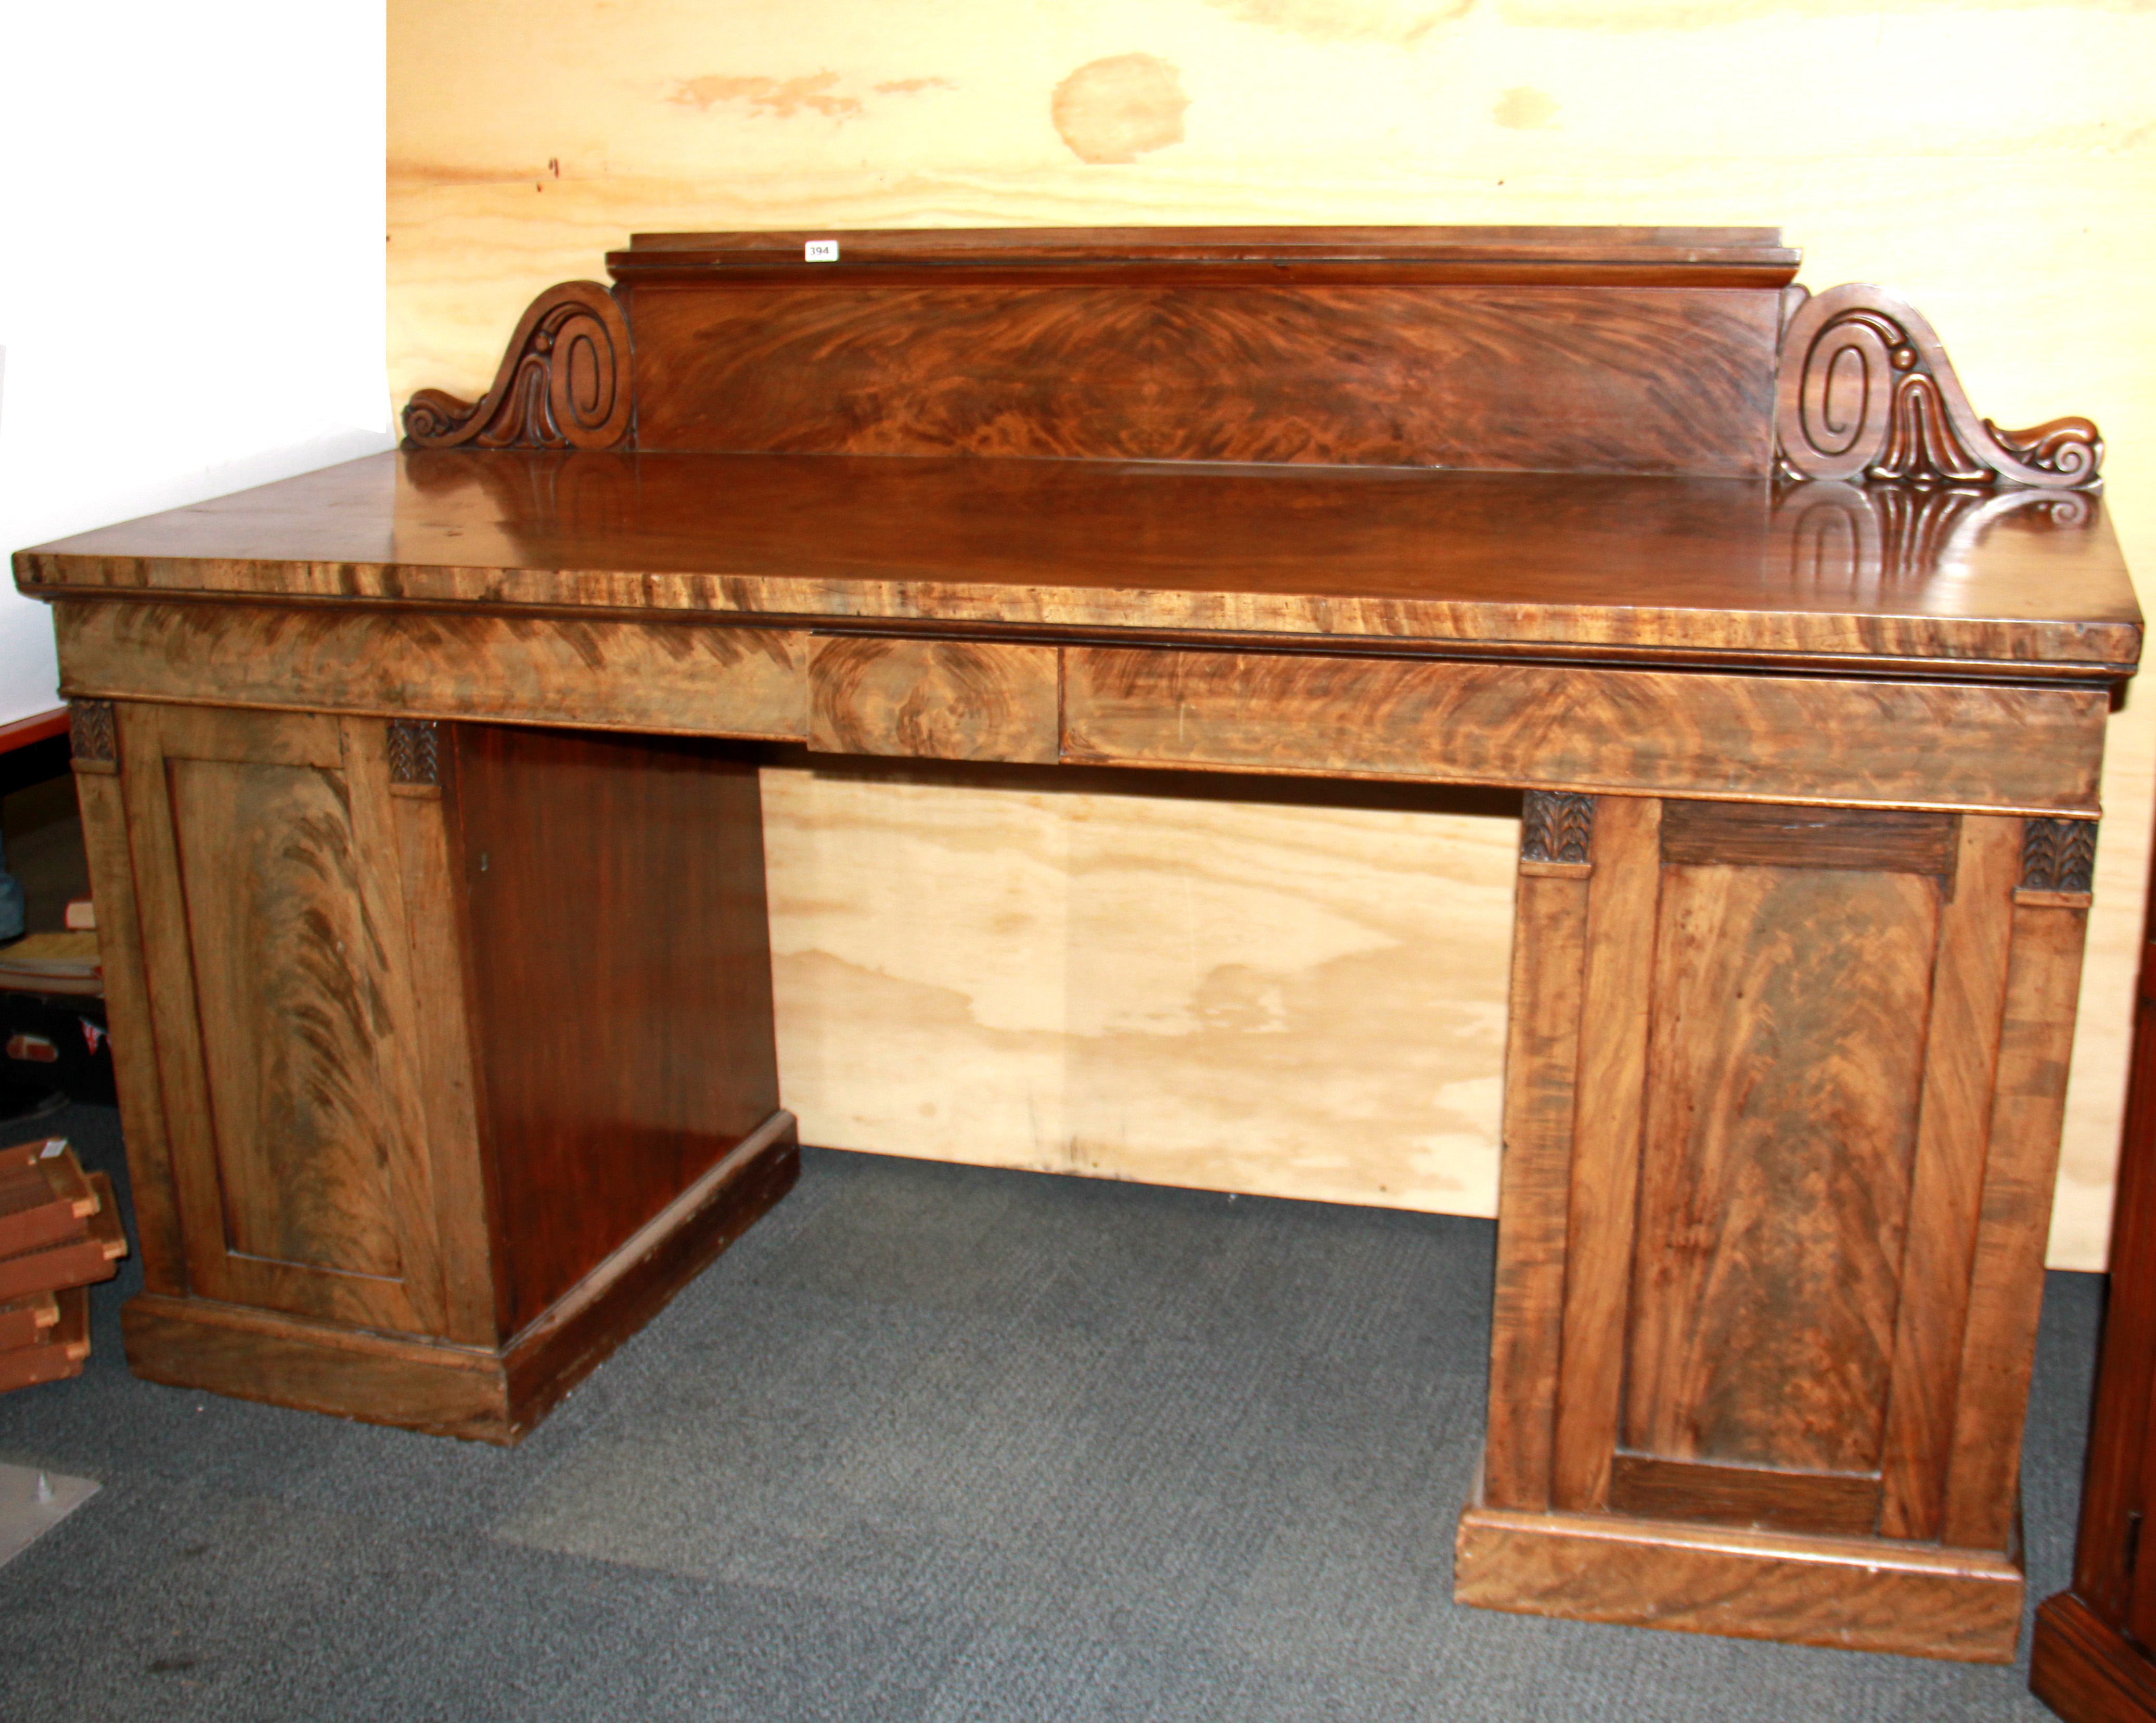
{"points": [[621, 963]]}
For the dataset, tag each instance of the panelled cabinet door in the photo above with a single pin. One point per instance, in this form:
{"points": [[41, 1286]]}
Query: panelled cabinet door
{"points": [[1782, 1114], [277, 944]]}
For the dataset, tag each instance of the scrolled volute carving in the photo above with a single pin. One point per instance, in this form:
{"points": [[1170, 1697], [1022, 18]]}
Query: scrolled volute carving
{"points": [[565, 382], [1865, 390]]}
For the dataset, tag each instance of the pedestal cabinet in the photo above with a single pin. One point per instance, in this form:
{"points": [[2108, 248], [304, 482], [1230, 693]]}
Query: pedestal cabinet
{"points": [[1783, 1099], [410, 1146]]}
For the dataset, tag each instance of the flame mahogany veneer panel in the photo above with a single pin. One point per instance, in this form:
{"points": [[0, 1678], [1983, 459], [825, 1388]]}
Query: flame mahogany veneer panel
{"points": [[1781, 1124], [1784, 739], [603, 674], [949, 699], [1565, 378]]}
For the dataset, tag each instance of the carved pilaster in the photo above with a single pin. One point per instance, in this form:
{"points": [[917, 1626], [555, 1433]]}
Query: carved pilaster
{"points": [[564, 383], [1556, 826], [415, 760], [1866, 389], [2058, 856], [93, 736]]}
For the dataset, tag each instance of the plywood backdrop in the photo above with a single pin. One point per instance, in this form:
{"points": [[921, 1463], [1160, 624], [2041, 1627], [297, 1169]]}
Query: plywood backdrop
{"points": [[1262, 995]]}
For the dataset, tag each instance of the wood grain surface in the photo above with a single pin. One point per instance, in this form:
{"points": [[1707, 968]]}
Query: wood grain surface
{"points": [[487, 1394], [621, 979], [1778, 739], [1603, 1191], [1518, 255], [1982, 1506], [151, 1182], [1542, 1088], [1752, 835], [1650, 1487], [1712, 569], [2084, 1668], [1953, 1136], [1521, 377], [317, 1366], [952, 700], [591, 672], [2088, 1661], [1781, 1121], [1855, 1593], [269, 922]]}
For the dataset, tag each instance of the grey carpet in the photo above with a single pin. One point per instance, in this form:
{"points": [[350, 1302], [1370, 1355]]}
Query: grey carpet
{"points": [[930, 1443]]}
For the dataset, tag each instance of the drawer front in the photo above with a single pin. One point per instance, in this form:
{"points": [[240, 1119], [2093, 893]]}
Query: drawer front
{"points": [[1774, 738], [947, 700], [670, 678]]}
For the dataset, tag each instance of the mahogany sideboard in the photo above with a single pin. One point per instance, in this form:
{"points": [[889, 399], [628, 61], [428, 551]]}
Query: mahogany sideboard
{"points": [[423, 811]]}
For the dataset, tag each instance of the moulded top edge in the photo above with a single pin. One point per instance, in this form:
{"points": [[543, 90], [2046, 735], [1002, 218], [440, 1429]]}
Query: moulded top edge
{"points": [[1747, 247]]}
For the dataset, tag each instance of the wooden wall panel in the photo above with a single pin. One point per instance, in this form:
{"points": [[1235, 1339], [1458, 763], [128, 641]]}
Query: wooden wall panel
{"points": [[1172, 982], [527, 137], [1781, 1122]]}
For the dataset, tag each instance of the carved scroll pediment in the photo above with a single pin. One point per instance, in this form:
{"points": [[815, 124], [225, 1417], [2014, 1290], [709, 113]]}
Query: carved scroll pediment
{"points": [[565, 382], [1866, 391]]}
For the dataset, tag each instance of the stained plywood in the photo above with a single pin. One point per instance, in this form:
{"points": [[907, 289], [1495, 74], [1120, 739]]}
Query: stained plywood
{"points": [[527, 137]]}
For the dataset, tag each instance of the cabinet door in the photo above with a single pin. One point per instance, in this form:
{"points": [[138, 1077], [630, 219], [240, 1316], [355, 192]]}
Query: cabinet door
{"points": [[1782, 1114], [277, 958]]}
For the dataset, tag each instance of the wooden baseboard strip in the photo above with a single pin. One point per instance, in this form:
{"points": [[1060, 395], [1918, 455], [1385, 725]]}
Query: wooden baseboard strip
{"points": [[1860, 1594]]}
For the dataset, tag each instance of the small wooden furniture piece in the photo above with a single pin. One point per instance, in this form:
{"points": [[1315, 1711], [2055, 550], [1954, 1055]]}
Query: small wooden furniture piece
{"points": [[2091, 1660], [429, 871]]}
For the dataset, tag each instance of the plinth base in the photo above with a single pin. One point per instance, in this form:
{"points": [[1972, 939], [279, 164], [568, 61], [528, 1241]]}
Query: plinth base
{"points": [[444, 1390], [1862, 1594]]}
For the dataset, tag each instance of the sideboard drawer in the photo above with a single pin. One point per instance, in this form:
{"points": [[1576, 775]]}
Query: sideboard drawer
{"points": [[1672, 733], [663, 678], [929, 699]]}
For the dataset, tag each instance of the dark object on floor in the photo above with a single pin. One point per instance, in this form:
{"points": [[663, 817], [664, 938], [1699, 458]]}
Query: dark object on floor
{"points": [[53, 1043], [2088, 1662]]}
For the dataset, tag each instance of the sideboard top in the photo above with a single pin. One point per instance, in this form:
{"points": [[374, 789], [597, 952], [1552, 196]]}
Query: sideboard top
{"points": [[1899, 580]]}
